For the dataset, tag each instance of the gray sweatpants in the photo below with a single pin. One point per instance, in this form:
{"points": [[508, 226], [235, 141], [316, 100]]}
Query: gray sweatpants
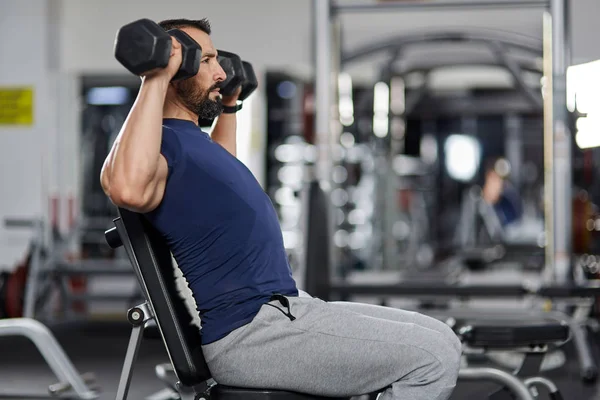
{"points": [[339, 349]]}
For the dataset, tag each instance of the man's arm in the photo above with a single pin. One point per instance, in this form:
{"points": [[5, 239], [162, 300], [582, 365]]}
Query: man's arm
{"points": [[134, 173], [225, 129]]}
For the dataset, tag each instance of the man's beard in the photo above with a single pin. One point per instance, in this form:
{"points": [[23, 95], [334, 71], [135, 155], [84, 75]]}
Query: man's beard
{"points": [[198, 100]]}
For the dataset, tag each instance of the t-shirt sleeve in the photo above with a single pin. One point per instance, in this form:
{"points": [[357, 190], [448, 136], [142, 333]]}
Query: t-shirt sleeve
{"points": [[170, 148]]}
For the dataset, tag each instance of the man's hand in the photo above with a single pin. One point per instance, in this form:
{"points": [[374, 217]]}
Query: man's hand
{"points": [[232, 99], [172, 68]]}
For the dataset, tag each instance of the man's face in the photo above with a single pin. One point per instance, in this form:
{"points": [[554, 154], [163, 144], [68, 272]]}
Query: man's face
{"points": [[493, 187], [200, 93]]}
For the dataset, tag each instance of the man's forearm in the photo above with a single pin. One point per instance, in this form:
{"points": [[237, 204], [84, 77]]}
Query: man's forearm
{"points": [[224, 132]]}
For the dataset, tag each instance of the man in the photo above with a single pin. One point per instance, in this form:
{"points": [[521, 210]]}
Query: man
{"points": [[258, 330], [500, 193]]}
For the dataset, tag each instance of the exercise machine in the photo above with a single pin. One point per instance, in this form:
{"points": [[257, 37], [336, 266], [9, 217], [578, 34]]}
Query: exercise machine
{"points": [[71, 384], [534, 340], [47, 270], [555, 48]]}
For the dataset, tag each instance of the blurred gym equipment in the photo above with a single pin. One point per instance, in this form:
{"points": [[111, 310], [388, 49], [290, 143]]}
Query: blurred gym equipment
{"points": [[329, 61], [71, 384], [47, 285], [24, 293], [457, 299], [389, 124]]}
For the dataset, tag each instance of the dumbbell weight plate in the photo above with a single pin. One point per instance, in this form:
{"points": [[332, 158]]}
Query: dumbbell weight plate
{"points": [[142, 45]]}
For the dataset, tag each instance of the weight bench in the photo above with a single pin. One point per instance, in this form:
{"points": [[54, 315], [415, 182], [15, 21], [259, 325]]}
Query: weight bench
{"points": [[581, 299], [533, 340], [151, 261]]}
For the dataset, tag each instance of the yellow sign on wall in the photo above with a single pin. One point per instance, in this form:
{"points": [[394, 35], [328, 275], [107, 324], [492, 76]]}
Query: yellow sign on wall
{"points": [[16, 105]]}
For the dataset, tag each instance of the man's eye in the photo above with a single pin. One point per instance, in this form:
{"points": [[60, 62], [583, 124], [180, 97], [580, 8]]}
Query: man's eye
{"points": [[206, 60]]}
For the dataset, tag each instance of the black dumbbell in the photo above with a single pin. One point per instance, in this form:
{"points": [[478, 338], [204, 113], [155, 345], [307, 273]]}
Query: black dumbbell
{"points": [[234, 71], [250, 82], [239, 73], [143, 45]]}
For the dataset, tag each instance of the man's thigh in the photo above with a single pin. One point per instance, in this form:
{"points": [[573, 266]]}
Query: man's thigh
{"points": [[327, 350], [399, 315]]}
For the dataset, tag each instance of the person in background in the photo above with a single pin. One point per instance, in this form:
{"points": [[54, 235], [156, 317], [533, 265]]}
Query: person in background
{"points": [[499, 192]]}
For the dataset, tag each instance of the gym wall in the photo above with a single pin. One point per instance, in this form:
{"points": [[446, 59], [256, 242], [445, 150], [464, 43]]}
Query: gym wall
{"points": [[27, 164]]}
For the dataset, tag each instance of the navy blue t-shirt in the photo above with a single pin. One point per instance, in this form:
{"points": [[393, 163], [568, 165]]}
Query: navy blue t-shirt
{"points": [[222, 230]]}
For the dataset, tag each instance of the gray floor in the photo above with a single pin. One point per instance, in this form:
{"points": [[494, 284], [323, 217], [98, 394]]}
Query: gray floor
{"points": [[100, 348]]}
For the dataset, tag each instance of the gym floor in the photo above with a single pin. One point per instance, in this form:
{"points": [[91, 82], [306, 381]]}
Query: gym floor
{"points": [[99, 347]]}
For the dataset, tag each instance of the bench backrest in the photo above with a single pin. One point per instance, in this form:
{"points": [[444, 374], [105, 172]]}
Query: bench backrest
{"points": [[151, 258]]}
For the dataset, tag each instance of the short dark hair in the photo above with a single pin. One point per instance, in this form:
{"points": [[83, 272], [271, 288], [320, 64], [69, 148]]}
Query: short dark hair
{"points": [[201, 24]]}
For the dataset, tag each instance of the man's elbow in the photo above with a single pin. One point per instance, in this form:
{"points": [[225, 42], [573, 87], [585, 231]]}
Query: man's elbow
{"points": [[130, 198], [138, 194]]}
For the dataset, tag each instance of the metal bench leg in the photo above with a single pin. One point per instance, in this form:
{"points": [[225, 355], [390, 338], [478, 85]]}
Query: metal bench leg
{"points": [[550, 386], [166, 374], [138, 317], [514, 384], [165, 394], [51, 350], [578, 323], [589, 370]]}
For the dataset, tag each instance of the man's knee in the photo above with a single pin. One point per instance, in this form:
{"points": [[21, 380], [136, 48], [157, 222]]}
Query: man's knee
{"points": [[438, 373], [447, 349], [453, 338], [449, 362], [449, 336]]}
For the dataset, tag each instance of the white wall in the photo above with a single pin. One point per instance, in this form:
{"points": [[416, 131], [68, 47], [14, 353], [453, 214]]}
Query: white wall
{"points": [[586, 30], [270, 33], [277, 33], [27, 173]]}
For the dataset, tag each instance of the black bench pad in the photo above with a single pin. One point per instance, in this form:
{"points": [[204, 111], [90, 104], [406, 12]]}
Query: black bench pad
{"points": [[559, 291], [506, 335], [222, 392]]}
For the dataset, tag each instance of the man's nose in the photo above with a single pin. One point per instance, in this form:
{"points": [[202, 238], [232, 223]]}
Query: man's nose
{"points": [[220, 74]]}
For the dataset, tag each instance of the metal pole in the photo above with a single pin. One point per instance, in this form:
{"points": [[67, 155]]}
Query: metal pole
{"points": [[334, 132], [562, 171], [321, 171], [548, 150], [514, 147], [440, 4], [322, 58]]}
